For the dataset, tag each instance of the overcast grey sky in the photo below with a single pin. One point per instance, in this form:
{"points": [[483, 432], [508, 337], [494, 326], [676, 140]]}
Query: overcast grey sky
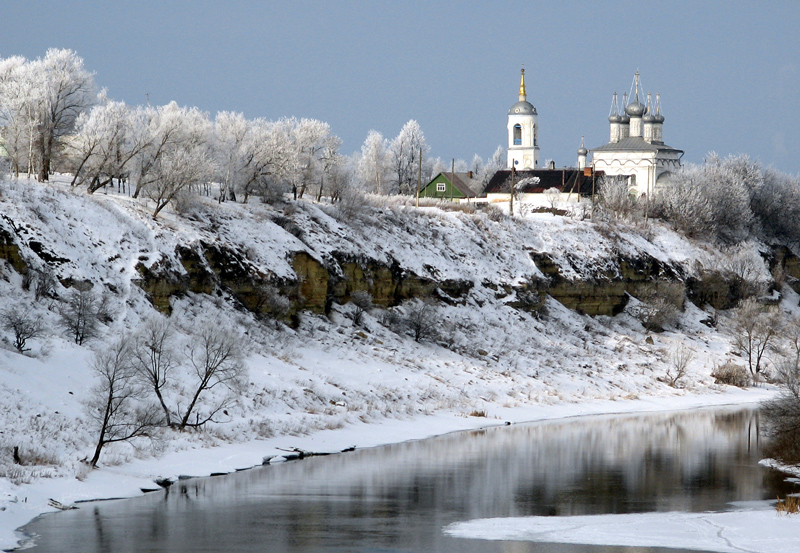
{"points": [[728, 72]]}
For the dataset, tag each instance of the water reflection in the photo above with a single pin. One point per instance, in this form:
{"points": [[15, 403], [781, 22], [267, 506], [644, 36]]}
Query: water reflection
{"points": [[399, 497]]}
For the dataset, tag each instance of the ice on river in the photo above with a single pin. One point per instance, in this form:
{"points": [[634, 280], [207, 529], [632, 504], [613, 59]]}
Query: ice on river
{"points": [[755, 528]]}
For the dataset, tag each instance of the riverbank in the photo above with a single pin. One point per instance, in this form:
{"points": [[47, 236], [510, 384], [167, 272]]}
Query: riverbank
{"points": [[22, 503]]}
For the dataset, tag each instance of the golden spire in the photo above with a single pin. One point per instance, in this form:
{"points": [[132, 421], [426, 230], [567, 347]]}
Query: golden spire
{"points": [[522, 95]]}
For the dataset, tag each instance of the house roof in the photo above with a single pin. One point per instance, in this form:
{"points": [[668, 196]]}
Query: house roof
{"points": [[465, 183], [536, 181], [635, 144]]}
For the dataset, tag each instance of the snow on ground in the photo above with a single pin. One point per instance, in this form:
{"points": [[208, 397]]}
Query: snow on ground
{"points": [[327, 384], [753, 527]]}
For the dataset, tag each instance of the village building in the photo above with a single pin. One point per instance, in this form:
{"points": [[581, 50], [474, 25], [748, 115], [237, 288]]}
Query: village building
{"points": [[636, 148], [453, 186], [541, 187]]}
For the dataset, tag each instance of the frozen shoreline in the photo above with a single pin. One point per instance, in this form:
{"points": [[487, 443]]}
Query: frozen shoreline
{"points": [[21, 504]]}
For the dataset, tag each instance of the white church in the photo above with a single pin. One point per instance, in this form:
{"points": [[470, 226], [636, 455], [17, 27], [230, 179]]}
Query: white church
{"points": [[636, 148], [635, 151]]}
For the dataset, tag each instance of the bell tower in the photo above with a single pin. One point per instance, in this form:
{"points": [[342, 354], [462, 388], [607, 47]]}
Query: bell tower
{"points": [[523, 132]]}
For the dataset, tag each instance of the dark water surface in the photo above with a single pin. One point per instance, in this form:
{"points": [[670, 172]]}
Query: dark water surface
{"points": [[398, 498]]}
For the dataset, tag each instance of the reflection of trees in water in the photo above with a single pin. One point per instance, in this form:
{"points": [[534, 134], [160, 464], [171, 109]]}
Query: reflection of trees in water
{"points": [[402, 495]]}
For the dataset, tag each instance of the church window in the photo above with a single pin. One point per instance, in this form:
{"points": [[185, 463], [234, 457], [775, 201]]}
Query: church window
{"points": [[440, 187], [517, 135]]}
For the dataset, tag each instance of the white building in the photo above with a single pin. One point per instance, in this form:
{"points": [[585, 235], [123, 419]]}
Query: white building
{"points": [[636, 149], [523, 133]]}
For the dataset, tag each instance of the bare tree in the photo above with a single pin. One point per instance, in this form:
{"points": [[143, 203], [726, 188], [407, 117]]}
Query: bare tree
{"points": [[152, 357], [24, 323], [755, 329], [216, 356], [114, 404], [80, 315], [679, 364], [422, 318], [43, 282]]}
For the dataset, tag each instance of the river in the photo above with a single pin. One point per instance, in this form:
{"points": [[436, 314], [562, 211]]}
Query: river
{"points": [[398, 498]]}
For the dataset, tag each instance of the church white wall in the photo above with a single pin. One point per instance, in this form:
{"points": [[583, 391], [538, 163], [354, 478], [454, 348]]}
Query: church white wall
{"points": [[646, 167], [526, 154]]}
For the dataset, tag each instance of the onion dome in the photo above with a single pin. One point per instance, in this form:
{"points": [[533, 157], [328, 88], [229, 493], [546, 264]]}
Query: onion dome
{"points": [[582, 151], [614, 118], [635, 108], [624, 119], [658, 118]]}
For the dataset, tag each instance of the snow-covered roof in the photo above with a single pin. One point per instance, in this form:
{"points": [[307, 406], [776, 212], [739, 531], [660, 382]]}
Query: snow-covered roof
{"points": [[635, 144]]}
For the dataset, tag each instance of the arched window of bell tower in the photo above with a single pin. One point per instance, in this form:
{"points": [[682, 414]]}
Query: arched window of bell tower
{"points": [[517, 135]]}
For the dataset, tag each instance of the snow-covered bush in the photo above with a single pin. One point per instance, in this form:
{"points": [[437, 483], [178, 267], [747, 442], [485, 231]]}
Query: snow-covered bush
{"points": [[732, 375]]}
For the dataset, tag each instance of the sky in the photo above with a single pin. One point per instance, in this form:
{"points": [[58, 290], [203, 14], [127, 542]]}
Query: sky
{"points": [[728, 72]]}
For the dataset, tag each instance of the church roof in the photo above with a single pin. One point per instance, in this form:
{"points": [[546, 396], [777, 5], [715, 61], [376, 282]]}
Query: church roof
{"points": [[536, 181], [635, 144], [522, 108]]}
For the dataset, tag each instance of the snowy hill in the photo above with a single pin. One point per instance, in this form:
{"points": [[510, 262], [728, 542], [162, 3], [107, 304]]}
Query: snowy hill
{"points": [[500, 343]]}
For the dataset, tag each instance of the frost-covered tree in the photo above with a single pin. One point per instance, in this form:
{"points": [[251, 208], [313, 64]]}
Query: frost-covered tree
{"points": [[476, 165], [18, 97], [404, 157], [615, 196], [313, 145], [776, 205], [176, 158], [65, 90], [685, 203], [713, 199], [492, 166], [372, 164], [106, 140], [234, 154]]}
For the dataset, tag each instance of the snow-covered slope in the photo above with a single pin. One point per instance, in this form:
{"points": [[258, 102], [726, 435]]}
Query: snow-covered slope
{"points": [[492, 362]]}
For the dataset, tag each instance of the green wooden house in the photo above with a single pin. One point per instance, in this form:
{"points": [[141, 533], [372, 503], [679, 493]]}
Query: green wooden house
{"points": [[452, 186]]}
